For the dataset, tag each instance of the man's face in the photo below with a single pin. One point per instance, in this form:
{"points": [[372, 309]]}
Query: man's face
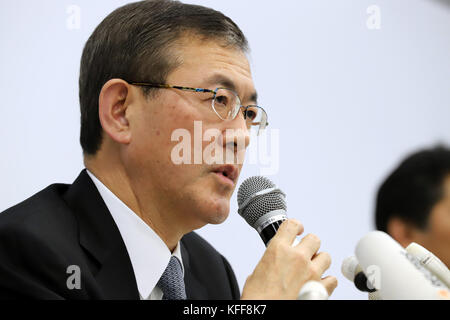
{"points": [[191, 194], [437, 237]]}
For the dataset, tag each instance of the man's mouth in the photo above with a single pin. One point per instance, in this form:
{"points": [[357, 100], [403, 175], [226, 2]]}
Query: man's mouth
{"points": [[227, 173]]}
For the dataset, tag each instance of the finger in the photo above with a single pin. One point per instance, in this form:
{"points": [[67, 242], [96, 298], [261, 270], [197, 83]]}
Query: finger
{"points": [[330, 283], [310, 244], [321, 262], [288, 230]]}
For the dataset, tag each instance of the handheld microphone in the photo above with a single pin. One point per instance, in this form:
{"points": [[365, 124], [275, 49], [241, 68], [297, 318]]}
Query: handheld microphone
{"points": [[263, 206], [394, 272]]}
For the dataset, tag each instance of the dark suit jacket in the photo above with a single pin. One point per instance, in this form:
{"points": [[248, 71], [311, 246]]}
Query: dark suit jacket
{"points": [[66, 225]]}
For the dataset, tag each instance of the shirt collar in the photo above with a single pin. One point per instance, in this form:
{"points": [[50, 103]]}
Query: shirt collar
{"points": [[149, 255]]}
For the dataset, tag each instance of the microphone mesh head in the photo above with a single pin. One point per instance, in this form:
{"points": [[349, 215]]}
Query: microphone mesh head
{"points": [[259, 206]]}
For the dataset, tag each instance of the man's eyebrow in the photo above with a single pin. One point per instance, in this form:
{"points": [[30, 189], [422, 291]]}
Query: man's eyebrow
{"points": [[218, 79], [254, 97], [225, 82]]}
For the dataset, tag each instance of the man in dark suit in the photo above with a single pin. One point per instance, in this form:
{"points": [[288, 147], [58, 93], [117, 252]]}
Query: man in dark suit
{"points": [[152, 72], [57, 228]]}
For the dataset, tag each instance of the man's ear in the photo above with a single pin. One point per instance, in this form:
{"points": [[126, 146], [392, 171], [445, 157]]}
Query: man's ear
{"points": [[113, 110], [402, 231]]}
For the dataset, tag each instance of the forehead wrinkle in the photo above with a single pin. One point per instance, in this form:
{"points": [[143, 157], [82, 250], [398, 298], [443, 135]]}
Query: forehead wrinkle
{"points": [[222, 55]]}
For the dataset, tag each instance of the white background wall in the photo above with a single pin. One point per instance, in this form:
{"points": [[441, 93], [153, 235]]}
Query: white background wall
{"points": [[349, 102]]}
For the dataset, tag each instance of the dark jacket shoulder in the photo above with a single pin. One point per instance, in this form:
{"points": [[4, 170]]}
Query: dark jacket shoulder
{"points": [[39, 214], [208, 264], [38, 242]]}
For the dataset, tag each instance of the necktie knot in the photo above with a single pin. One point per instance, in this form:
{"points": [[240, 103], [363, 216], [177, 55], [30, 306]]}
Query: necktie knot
{"points": [[171, 282]]}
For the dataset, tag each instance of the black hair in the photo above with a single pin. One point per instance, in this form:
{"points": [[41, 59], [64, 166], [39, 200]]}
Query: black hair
{"points": [[134, 42], [413, 189]]}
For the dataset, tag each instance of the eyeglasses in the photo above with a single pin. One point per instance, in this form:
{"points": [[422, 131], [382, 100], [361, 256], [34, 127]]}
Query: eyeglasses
{"points": [[226, 104]]}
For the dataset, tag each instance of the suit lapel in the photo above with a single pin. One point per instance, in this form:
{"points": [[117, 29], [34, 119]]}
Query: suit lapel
{"points": [[194, 288], [99, 235]]}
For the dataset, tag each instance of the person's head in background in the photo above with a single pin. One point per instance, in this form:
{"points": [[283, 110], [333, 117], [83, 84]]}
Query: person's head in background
{"points": [[413, 203]]}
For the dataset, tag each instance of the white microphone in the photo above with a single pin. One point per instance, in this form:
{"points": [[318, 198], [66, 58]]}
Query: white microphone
{"points": [[395, 273], [431, 262], [352, 271], [313, 290]]}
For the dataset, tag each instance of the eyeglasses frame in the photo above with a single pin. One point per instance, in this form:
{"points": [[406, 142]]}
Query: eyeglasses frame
{"points": [[214, 92]]}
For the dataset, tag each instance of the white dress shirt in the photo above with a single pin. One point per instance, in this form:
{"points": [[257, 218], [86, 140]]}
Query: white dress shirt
{"points": [[148, 253]]}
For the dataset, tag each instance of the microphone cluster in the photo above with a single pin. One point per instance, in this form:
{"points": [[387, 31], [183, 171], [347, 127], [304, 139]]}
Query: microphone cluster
{"points": [[381, 266]]}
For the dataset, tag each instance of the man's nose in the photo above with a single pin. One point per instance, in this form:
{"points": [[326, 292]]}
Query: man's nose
{"points": [[237, 136]]}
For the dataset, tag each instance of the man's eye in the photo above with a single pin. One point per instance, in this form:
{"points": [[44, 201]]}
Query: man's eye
{"points": [[222, 101], [250, 114]]}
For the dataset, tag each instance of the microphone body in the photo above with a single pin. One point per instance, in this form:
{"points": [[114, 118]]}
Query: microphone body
{"points": [[270, 225]]}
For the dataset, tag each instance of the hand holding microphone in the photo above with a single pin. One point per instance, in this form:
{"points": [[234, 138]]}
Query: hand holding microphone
{"points": [[288, 269], [284, 269]]}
